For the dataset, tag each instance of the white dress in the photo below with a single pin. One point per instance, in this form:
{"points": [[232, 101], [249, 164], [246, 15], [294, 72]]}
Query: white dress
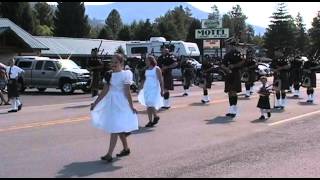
{"points": [[113, 113], [150, 95]]}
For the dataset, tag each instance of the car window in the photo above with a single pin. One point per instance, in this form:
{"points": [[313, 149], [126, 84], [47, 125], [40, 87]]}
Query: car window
{"points": [[25, 64], [39, 65], [48, 65]]}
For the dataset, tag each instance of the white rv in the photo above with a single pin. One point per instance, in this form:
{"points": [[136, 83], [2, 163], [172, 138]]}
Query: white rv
{"points": [[153, 47]]}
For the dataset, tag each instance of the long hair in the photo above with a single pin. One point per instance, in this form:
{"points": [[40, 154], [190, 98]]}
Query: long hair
{"points": [[152, 60]]}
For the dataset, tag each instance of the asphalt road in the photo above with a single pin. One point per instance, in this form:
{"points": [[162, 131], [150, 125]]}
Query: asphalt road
{"points": [[53, 137]]}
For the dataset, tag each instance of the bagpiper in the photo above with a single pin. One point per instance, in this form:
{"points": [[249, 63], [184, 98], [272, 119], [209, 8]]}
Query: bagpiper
{"points": [[188, 74], [309, 79], [205, 78], [280, 67], [249, 72], [167, 62], [232, 64], [296, 74]]}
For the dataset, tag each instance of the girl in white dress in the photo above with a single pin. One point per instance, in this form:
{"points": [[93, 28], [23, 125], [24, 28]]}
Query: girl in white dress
{"points": [[113, 110], [151, 95]]}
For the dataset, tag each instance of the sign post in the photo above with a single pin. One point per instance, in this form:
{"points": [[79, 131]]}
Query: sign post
{"points": [[212, 29]]}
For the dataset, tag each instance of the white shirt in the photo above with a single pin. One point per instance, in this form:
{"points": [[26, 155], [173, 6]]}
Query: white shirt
{"points": [[15, 71], [130, 74]]}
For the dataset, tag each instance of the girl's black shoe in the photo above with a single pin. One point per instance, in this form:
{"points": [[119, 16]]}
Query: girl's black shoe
{"points": [[124, 153], [150, 124], [269, 114], [155, 120], [107, 158], [262, 118]]}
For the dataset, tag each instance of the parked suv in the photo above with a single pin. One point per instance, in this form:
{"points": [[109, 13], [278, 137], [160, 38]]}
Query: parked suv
{"points": [[43, 73]]}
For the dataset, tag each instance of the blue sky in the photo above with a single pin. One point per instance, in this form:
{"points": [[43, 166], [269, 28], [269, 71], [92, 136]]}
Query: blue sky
{"points": [[258, 13]]}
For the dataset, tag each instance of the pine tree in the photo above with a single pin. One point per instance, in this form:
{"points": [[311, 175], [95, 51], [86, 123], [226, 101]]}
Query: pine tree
{"points": [[70, 20], [20, 13], [301, 35], [105, 33], [125, 33], [114, 22], [215, 15], [195, 24], [281, 32], [314, 33], [120, 50], [44, 13]]}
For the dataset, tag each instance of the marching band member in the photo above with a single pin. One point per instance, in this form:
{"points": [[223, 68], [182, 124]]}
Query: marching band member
{"points": [[206, 79], [280, 66], [264, 100], [188, 73], [231, 64], [249, 76], [309, 77], [167, 62], [296, 74], [13, 92]]}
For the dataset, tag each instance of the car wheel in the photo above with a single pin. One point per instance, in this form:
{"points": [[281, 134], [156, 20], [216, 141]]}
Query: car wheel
{"points": [[42, 89], [67, 88]]}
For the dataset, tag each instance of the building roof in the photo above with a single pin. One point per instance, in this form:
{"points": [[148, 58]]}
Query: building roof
{"points": [[6, 24], [78, 46]]}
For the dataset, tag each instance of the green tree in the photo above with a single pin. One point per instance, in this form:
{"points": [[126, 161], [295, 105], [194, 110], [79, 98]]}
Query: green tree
{"points": [[44, 13], [195, 24], [105, 33], [215, 15], [20, 13], [125, 33], [301, 35], [314, 33], [70, 20], [43, 30], [281, 31], [114, 22], [120, 50]]}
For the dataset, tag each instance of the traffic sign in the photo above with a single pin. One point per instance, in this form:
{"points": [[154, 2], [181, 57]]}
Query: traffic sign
{"points": [[216, 33]]}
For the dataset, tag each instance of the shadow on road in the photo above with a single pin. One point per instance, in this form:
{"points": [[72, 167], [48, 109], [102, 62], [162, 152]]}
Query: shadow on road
{"points": [[243, 98], [294, 98], [199, 104], [277, 110], [143, 130], [220, 120], [259, 121], [77, 107], [35, 93], [83, 169], [307, 104]]}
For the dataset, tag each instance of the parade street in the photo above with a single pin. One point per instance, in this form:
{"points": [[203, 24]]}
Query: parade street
{"points": [[52, 136]]}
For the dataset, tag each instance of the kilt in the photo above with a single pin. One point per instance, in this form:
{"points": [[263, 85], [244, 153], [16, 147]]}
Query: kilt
{"points": [[168, 80], [233, 82], [284, 79], [95, 81], [252, 76], [295, 77], [264, 102], [13, 88], [313, 79]]}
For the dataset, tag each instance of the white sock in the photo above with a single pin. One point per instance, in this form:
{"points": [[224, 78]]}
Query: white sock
{"points": [[14, 104], [18, 102], [278, 102], [251, 89], [186, 91], [248, 92], [262, 112]]}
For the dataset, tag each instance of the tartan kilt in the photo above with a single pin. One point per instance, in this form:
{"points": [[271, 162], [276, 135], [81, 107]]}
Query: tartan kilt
{"points": [[264, 102], [168, 81], [233, 82], [12, 89]]}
